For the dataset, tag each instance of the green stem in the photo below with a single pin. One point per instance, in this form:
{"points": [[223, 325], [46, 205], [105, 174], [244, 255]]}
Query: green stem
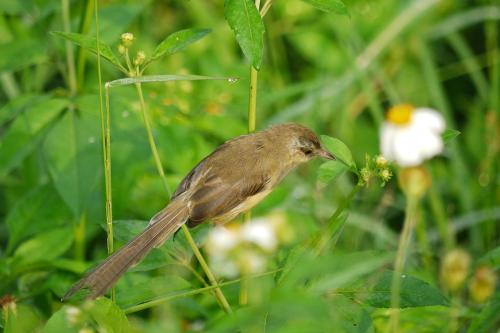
{"points": [[334, 223], [159, 300], [70, 57], [252, 102], [211, 278], [84, 28], [243, 297], [403, 247], [218, 293], [80, 238], [152, 143]]}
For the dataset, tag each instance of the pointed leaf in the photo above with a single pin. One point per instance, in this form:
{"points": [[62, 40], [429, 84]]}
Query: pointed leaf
{"points": [[339, 149], [449, 135], [90, 43], [178, 41], [414, 293], [24, 133], [488, 318], [329, 6], [246, 22], [330, 170]]}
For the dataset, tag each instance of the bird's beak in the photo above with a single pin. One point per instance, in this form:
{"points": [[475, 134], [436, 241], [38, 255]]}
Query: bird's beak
{"points": [[322, 152]]}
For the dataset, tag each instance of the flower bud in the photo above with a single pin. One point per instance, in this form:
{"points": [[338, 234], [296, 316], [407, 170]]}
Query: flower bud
{"points": [[121, 49], [482, 285], [414, 181], [454, 269], [139, 58], [127, 39], [385, 175], [380, 161], [73, 315], [365, 174]]}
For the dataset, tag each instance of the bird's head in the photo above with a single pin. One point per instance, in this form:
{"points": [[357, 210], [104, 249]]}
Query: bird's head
{"points": [[304, 143]]}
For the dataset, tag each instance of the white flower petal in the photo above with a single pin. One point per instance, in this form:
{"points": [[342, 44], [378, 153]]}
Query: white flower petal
{"points": [[430, 144], [221, 239], [260, 232], [428, 118], [386, 140], [406, 147]]}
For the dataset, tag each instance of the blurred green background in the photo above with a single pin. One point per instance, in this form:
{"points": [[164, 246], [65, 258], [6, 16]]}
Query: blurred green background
{"points": [[336, 74]]}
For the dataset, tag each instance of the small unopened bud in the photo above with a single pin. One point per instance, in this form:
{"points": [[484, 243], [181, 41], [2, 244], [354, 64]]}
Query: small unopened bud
{"points": [[454, 269], [127, 39], [73, 315], [381, 161], [365, 174], [139, 58], [414, 181], [385, 175], [482, 285], [121, 49]]}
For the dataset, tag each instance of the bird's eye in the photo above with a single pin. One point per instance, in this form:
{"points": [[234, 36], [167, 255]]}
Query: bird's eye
{"points": [[307, 151]]}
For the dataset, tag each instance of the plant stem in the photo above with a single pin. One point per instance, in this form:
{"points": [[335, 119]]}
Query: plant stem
{"points": [[252, 102], [151, 140], [404, 244], [84, 28], [334, 223], [218, 293], [243, 299], [70, 58]]}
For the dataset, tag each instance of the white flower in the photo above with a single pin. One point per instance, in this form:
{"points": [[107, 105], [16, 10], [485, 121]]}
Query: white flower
{"points": [[260, 232], [411, 135], [222, 240], [73, 315]]}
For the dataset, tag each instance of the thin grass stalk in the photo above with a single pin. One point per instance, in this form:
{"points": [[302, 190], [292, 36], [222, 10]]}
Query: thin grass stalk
{"points": [[403, 249], [163, 299], [85, 22], [218, 293]]}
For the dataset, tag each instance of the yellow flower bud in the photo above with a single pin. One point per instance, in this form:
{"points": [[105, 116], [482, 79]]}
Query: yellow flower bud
{"points": [[127, 39], [365, 174], [385, 175], [139, 58], [482, 285], [454, 269], [380, 161], [121, 49], [414, 181]]}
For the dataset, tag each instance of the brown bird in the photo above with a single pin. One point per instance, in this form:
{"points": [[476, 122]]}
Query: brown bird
{"points": [[231, 180]]}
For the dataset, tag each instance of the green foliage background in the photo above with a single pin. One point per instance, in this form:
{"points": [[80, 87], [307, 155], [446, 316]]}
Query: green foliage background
{"points": [[334, 73]]}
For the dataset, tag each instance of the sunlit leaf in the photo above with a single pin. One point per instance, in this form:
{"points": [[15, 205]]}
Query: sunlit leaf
{"points": [[24, 133], [339, 149], [21, 318], [90, 43], [414, 293], [246, 22], [109, 317], [178, 41], [329, 171], [329, 6]]}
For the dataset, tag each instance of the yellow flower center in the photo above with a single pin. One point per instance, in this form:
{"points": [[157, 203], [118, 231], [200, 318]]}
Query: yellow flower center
{"points": [[400, 114]]}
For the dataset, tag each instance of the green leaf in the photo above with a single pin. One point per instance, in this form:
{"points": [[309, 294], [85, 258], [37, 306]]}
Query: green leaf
{"points": [[414, 293], [18, 54], [177, 42], [488, 317], [22, 319], [246, 22], [449, 135], [45, 246], [89, 43], [109, 317], [25, 132], [491, 258], [340, 150], [329, 171], [73, 154], [60, 322], [38, 210], [329, 6]]}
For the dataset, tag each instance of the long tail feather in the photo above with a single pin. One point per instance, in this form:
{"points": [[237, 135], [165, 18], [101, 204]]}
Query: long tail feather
{"points": [[111, 269]]}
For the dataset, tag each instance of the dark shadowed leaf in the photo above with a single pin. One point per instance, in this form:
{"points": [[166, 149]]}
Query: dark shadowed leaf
{"points": [[73, 155], [414, 293], [25, 132], [18, 54], [329, 6], [339, 149], [246, 22], [38, 210], [90, 43], [178, 41], [488, 318], [330, 170], [491, 258]]}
